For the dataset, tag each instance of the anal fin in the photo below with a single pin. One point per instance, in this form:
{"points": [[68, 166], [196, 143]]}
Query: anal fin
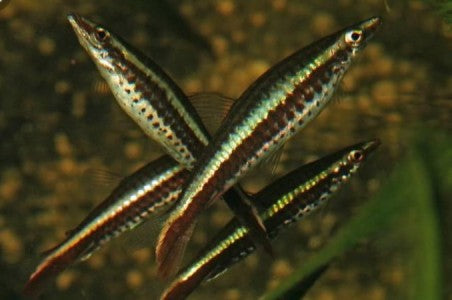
{"points": [[238, 201]]}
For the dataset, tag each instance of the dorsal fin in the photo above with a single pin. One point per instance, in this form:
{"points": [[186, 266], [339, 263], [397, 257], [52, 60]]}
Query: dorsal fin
{"points": [[48, 251], [103, 176], [100, 178], [212, 108]]}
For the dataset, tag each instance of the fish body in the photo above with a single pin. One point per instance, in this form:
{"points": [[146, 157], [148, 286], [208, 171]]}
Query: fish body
{"points": [[151, 189], [144, 91], [276, 106], [156, 103], [157, 185], [283, 202]]}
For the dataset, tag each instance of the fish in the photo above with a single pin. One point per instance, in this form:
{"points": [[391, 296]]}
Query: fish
{"points": [[144, 91], [277, 105], [157, 105], [285, 201], [149, 190]]}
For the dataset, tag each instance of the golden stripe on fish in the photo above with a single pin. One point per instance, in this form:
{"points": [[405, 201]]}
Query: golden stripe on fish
{"points": [[150, 189], [154, 101], [277, 105], [285, 201]]}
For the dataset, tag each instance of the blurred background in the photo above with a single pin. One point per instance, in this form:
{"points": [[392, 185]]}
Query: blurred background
{"points": [[61, 133]]}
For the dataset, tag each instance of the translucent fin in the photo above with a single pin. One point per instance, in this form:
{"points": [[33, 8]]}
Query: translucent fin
{"points": [[238, 201], [47, 252], [103, 177], [212, 108], [86, 254], [271, 162], [143, 234], [214, 274], [171, 248]]}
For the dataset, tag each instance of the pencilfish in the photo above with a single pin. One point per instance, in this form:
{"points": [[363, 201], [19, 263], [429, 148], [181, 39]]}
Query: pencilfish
{"points": [[277, 105], [285, 201], [149, 190], [158, 105]]}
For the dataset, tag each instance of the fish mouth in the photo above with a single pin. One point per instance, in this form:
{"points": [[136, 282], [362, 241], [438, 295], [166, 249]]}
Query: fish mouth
{"points": [[369, 26], [372, 24], [371, 146], [82, 27]]}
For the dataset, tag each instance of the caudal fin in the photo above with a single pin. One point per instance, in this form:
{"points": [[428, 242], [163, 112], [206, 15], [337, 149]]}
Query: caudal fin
{"points": [[57, 260], [171, 246]]}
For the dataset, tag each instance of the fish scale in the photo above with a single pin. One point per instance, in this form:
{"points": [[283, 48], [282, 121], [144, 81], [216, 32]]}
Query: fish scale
{"points": [[150, 189], [155, 102], [150, 101], [283, 202], [145, 92], [168, 124], [276, 106]]}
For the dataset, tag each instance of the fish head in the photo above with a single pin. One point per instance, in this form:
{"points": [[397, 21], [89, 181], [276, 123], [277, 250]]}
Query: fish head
{"points": [[356, 36], [353, 38], [334, 54], [350, 159], [95, 39]]}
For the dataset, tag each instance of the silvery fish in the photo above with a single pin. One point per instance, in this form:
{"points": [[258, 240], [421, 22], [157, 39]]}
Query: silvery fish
{"points": [[276, 106], [287, 200]]}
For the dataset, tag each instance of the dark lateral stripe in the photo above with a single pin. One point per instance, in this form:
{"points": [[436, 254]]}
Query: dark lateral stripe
{"points": [[158, 99], [283, 202], [113, 216], [269, 131], [226, 169]]}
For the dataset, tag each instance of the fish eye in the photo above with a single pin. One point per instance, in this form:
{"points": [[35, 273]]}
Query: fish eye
{"points": [[353, 37], [101, 34], [356, 156]]}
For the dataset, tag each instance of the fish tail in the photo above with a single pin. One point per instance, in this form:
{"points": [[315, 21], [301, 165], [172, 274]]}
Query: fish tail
{"points": [[185, 285], [181, 289], [171, 246], [58, 259]]}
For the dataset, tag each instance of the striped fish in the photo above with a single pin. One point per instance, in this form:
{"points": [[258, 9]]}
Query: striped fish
{"points": [[151, 189], [144, 91], [156, 103], [285, 201], [276, 106]]}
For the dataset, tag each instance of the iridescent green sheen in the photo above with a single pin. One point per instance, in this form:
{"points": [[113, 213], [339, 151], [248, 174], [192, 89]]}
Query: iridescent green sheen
{"points": [[285, 201], [238, 234], [276, 106], [148, 190], [154, 101]]}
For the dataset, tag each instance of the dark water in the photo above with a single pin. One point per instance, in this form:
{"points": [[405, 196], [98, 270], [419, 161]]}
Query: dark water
{"points": [[59, 126]]}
